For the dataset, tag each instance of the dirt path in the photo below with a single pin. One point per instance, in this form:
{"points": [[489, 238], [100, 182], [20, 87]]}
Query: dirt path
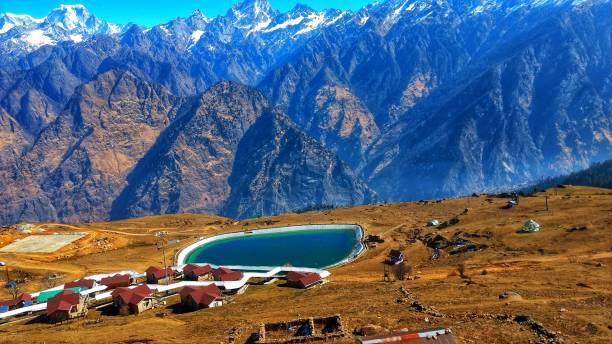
{"points": [[385, 233], [51, 225]]}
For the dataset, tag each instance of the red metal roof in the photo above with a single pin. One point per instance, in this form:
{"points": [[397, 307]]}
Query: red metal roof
{"points": [[25, 297], [64, 301], [294, 276], [303, 279], [431, 336], [159, 272], [197, 269], [207, 299], [210, 289], [12, 303], [225, 274], [116, 281], [84, 283], [202, 295], [9, 303], [132, 296]]}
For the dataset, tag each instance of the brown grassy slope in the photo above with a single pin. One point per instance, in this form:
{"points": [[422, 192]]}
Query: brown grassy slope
{"points": [[546, 268]]}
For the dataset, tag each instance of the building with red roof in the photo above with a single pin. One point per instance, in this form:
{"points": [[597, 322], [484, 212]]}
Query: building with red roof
{"points": [[116, 281], [23, 300], [194, 272], [157, 275], [82, 283], [133, 300], [225, 274], [432, 336], [196, 298], [66, 305], [303, 280]]}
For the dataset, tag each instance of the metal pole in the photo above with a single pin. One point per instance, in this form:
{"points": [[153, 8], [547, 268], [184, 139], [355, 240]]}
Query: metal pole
{"points": [[165, 264], [8, 277], [162, 242]]}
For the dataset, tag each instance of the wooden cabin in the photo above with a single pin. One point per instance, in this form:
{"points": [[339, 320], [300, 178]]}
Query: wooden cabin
{"points": [[133, 300], [195, 298], [193, 272], [66, 305], [303, 280]]}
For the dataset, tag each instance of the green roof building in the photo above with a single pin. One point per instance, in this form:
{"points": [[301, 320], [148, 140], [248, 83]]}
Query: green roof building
{"points": [[46, 295]]}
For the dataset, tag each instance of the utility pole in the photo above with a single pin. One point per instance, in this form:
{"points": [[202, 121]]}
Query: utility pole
{"points": [[546, 197], [162, 242], [8, 277]]}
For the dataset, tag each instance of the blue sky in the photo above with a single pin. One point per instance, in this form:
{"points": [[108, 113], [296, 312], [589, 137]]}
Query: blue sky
{"points": [[150, 12]]}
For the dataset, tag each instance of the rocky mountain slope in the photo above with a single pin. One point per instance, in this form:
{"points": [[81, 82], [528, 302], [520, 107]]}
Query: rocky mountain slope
{"points": [[403, 99], [125, 147], [278, 166], [467, 95]]}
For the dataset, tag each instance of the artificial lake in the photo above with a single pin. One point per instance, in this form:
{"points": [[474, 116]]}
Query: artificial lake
{"points": [[312, 246]]}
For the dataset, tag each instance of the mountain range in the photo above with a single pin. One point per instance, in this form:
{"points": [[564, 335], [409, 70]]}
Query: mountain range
{"points": [[260, 112]]}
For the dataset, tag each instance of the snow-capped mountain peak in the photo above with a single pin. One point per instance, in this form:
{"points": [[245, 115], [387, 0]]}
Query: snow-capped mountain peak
{"points": [[70, 17], [21, 34], [11, 20], [253, 15], [77, 18]]}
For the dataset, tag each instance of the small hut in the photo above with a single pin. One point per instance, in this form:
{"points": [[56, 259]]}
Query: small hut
{"points": [[66, 305], [303, 280], [196, 298], [157, 275], [83, 283], [23, 300], [225, 274], [133, 300], [116, 281], [193, 272]]}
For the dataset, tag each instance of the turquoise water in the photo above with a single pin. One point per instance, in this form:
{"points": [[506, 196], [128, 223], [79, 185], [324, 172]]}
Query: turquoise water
{"points": [[305, 248]]}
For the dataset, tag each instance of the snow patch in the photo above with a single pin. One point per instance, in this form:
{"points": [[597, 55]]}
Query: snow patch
{"points": [[6, 27], [316, 19], [334, 20], [76, 38], [37, 38], [165, 30], [286, 24], [260, 26], [195, 36], [114, 29], [22, 18]]}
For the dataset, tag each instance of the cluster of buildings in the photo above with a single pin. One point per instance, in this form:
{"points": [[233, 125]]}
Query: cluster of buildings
{"points": [[131, 296]]}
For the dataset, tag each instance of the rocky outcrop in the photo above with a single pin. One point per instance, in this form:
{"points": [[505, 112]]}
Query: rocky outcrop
{"points": [[341, 122], [278, 169], [540, 109], [211, 160], [188, 167], [79, 163]]}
